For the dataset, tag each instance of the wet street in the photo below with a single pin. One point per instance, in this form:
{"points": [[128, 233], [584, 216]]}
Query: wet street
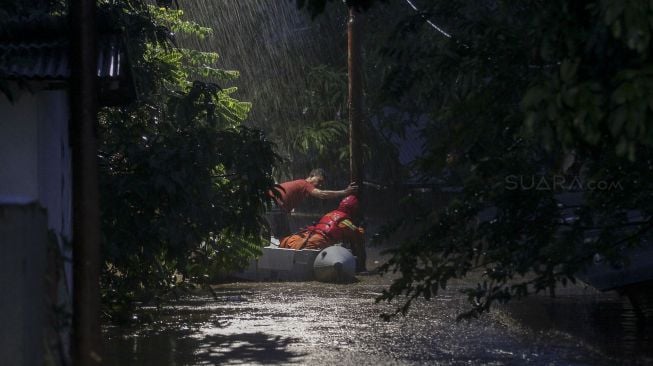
{"points": [[314, 323]]}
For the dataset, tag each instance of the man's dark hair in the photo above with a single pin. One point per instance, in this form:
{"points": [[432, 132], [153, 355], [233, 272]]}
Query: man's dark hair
{"points": [[318, 172]]}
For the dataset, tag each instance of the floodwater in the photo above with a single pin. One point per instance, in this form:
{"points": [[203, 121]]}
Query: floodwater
{"points": [[313, 323]]}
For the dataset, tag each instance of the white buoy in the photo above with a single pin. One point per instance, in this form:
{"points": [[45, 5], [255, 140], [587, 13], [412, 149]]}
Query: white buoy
{"points": [[335, 264]]}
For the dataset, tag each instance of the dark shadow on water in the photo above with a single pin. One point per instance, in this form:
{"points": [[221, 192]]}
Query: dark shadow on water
{"points": [[246, 348], [608, 324], [176, 348]]}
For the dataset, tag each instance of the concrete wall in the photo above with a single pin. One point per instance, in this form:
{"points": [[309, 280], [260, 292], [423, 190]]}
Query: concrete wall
{"points": [[18, 150], [23, 246], [35, 173], [35, 158], [35, 154], [54, 160], [54, 172]]}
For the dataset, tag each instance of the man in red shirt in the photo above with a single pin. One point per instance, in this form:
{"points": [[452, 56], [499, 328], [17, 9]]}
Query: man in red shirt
{"points": [[290, 194], [335, 227]]}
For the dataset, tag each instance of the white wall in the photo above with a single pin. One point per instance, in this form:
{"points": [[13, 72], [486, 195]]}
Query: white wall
{"points": [[35, 156], [54, 170], [18, 150], [54, 160], [23, 247], [35, 167]]}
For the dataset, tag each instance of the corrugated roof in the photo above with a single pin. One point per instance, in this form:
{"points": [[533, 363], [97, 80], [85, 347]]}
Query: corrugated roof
{"points": [[37, 46], [32, 27], [50, 59]]}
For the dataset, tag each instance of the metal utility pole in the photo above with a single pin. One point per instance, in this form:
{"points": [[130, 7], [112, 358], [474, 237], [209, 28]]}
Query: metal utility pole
{"points": [[355, 104], [355, 68], [86, 213]]}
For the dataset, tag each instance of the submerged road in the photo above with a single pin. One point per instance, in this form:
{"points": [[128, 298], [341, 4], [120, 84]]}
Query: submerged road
{"points": [[314, 323]]}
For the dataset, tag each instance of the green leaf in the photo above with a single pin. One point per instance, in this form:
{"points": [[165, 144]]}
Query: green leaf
{"points": [[568, 69], [618, 118]]}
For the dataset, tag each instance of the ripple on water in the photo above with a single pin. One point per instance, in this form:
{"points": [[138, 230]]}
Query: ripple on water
{"points": [[310, 323]]}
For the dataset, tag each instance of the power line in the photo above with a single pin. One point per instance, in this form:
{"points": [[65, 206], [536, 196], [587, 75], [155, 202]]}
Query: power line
{"points": [[428, 20]]}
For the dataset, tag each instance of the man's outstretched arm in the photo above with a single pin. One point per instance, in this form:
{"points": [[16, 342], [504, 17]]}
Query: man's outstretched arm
{"points": [[324, 194]]}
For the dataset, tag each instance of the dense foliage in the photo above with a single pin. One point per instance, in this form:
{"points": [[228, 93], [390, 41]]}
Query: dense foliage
{"points": [[321, 135], [183, 183], [525, 102], [555, 93], [294, 71]]}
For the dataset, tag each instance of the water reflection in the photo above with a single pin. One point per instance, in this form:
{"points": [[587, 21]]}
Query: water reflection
{"points": [[172, 348], [605, 321], [314, 324]]}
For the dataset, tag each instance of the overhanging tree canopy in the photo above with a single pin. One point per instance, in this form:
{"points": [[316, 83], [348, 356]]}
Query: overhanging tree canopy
{"points": [[539, 90]]}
